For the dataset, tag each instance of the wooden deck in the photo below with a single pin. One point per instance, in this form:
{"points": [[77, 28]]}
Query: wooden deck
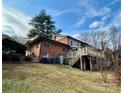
{"points": [[74, 56], [85, 51]]}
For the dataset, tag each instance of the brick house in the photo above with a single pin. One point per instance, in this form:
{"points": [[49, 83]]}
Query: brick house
{"points": [[44, 47], [76, 53]]}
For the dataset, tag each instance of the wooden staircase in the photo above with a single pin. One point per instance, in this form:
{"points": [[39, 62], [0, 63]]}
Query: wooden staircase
{"points": [[74, 56], [74, 60]]}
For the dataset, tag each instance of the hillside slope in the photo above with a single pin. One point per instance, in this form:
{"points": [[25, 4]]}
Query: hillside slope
{"points": [[46, 78]]}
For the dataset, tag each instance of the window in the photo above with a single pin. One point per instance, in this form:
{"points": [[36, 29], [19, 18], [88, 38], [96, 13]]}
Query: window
{"points": [[46, 45], [71, 42]]}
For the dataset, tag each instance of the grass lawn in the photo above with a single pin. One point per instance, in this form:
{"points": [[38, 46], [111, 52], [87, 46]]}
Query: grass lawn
{"points": [[46, 78]]}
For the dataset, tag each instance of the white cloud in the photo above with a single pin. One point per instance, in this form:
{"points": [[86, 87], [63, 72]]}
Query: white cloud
{"points": [[15, 22], [105, 17], [100, 23], [94, 25], [76, 36], [90, 10], [55, 12], [113, 2], [117, 20], [79, 23]]}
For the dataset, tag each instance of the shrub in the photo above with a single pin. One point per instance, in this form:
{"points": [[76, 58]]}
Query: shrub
{"points": [[5, 57], [27, 58], [12, 57]]}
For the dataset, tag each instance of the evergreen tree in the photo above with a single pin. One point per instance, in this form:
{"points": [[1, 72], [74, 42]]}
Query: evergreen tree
{"points": [[42, 25]]}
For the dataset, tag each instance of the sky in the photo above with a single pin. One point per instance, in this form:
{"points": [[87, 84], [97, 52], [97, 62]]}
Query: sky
{"points": [[72, 16]]}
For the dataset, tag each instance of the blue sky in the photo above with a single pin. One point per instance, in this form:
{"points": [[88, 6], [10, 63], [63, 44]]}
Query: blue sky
{"points": [[72, 16]]}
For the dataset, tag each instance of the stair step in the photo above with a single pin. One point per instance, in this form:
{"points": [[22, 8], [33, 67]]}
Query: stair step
{"points": [[74, 60]]}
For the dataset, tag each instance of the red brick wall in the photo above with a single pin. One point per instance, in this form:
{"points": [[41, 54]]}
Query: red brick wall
{"points": [[35, 50], [54, 49]]}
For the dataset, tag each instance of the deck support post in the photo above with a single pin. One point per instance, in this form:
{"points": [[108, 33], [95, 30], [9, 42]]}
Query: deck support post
{"points": [[81, 64], [97, 64], [91, 67], [84, 64]]}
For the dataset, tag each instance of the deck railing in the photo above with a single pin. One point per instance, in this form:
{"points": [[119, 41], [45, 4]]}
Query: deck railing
{"points": [[85, 51], [95, 52]]}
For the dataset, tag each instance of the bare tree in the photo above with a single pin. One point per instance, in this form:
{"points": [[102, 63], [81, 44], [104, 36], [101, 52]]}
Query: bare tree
{"points": [[115, 37], [85, 37], [94, 38], [109, 42]]}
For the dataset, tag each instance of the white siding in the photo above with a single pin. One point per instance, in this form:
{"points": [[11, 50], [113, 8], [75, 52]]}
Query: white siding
{"points": [[73, 42]]}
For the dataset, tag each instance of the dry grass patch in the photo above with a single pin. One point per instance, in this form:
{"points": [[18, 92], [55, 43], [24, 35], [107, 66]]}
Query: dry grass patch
{"points": [[46, 78]]}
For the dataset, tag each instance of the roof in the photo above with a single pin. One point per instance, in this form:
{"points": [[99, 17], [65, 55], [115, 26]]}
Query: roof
{"points": [[7, 37], [38, 39], [10, 43], [74, 39], [10, 38]]}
